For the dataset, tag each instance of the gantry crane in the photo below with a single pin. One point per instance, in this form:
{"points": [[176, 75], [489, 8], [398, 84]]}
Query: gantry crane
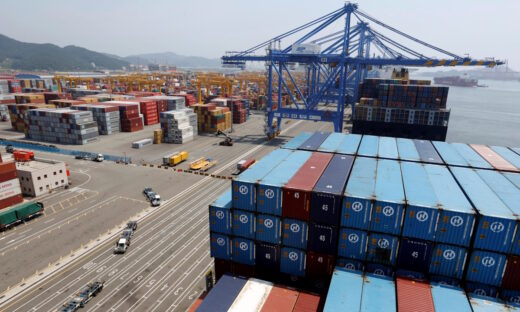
{"points": [[334, 51]]}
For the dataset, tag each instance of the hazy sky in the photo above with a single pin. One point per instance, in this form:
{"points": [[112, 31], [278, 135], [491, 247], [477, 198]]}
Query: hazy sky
{"points": [[211, 27]]}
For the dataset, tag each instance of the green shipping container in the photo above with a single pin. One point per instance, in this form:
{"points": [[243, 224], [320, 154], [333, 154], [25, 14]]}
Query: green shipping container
{"points": [[7, 216], [27, 209]]}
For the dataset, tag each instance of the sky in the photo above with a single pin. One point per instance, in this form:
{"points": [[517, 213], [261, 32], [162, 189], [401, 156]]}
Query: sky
{"points": [[210, 27]]}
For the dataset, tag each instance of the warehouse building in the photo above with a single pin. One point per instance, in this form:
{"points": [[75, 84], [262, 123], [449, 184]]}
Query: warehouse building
{"points": [[41, 176]]}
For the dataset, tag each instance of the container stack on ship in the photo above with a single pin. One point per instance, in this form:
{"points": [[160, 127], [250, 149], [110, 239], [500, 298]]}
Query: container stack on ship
{"points": [[427, 210], [403, 108]]}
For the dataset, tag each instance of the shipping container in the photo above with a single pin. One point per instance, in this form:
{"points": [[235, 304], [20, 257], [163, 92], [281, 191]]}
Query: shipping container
{"points": [[319, 265], [496, 225], [422, 212], [350, 145], [378, 294], [410, 274], [220, 246], [220, 214], [297, 192], [314, 141], [323, 238], [460, 154], [7, 217], [345, 291], [223, 294], [267, 257], [456, 216], [488, 304], [512, 157], [222, 267], [427, 152], [268, 229], [350, 264], [306, 303], [252, 296], [293, 261], [486, 267], [243, 224], [413, 296], [379, 269], [511, 274], [352, 243], [27, 210], [280, 299], [414, 255], [444, 280], [387, 214], [298, 140], [244, 186], [243, 251], [326, 198], [512, 297], [369, 146], [407, 150], [382, 248], [359, 193], [387, 148], [493, 158], [269, 189], [448, 260], [481, 289], [295, 233], [448, 298], [244, 270], [515, 149], [331, 144], [513, 177]]}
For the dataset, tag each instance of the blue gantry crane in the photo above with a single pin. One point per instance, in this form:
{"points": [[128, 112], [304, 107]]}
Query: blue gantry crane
{"points": [[333, 57]]}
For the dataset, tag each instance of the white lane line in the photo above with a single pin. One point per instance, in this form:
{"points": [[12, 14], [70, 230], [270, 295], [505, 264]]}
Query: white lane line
{"points": [[50, 220]]}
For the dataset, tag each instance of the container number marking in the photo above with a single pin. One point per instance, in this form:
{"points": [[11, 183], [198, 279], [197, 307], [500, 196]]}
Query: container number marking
{"points": [[296, 195], [448, 254], [268, 223], [243, 246], [357, 206], [220, 214], [415, 254], [353, 238], [497, 227], [488, 261], [243, 219], [269, 193], [243, 189], [383, 243], [325, 207], [456, 221], [388, 211], [221, 241], [422, 216], [293, 256], [295, 228]]}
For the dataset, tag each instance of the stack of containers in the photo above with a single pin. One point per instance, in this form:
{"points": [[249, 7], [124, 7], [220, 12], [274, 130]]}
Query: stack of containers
{"points": [[15, 86], [62, 103], [189, 99], [17, 114], [211, 118], [26, 98], [176, 126], [10, 191], [128, 114], [4, 87], [239, 111], [148, 109], [64, 126], [107, 117]]}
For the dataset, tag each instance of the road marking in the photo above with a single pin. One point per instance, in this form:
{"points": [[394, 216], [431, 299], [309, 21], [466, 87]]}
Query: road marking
{"points": [[50, 220]]}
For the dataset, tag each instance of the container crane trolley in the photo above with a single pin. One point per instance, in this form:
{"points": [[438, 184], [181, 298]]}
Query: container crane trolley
{"points": [[334, 63]]}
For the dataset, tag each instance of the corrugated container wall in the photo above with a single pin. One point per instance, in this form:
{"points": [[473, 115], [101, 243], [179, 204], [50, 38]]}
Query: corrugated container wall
{"points": [[298, 140], [427, 152], [486, 267], [414, 255], [220, 214], [252, 296], [293, 261], [378, 294], [220, 246], [280, 299], [314, 142], [382, 248], [268, 229], [407, 150], [350, 145], [344, 291], [452, 299], [295, 233], [244, 223], [413, 296], [352, 243], [267, 256], [243, 251], [448, 260], [223, 294]]}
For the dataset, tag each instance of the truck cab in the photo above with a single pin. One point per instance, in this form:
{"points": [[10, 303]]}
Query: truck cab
{"points": [[121, 246], [156, 200], [99, 158]]}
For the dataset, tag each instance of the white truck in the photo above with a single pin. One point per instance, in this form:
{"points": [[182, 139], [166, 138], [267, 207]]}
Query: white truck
{"points": [[121, 246]]}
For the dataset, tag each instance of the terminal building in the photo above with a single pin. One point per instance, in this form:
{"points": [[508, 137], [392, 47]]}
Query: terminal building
{"points": [[41, 176]]}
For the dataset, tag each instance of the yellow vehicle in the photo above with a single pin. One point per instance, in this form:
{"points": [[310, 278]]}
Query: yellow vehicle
{"points": [[178, 158], [202, 164]]}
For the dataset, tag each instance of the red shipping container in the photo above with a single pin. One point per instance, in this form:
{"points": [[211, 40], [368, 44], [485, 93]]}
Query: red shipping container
{"points": [[493, 158], [510, 280], [297, 193], [307, 303], [413, 296], [10, 201], [7, 167], [6, 176], [319, 265], [280, 300]]}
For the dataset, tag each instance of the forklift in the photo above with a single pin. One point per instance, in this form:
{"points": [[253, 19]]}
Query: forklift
{"points": [[227, 141]]}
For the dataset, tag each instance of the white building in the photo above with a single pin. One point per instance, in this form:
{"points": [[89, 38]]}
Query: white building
{"points": [[41, 176]]}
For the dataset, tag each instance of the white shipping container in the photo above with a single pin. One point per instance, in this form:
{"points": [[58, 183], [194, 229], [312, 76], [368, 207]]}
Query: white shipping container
{"points": [[9, 184], [252, 297], [10, 193]]}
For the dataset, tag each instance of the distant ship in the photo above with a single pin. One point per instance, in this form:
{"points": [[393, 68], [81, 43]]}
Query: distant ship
{"points": [[456, 81]]}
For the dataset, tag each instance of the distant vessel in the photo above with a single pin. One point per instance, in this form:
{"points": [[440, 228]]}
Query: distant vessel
{"points": [[456, 81]]}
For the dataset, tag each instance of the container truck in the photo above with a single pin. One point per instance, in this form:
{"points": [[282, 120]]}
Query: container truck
{"points": [[11, 216]]}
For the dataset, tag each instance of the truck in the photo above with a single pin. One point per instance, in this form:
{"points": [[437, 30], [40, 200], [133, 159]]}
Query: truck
{"points": [[155, 199], [244, 164], [177, 158], [121, 246], [83, 297], [99, 158], [202, 164], [19, 213]]}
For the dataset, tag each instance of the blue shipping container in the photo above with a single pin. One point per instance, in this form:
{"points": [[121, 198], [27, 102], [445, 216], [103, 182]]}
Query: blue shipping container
{"points": [[295, 233], [508, 155], [267, 256], [448, 298], [448, 260], [481, 289], [379, 269], [487, 304], [378, 294], [511, 296], [449, 154], [387, 215], [422, 213], [331, 144], [220, 214], [220, 246], [298, 140], [352, 243], [496, 225], [314, 142], [350, 264], [369, 146], [268, 229], [486, 267], [350, 145], [293, 261], [444, 280], [327, 195], [410, 274], [243, 251], [387, 148], [515, 149], [323, 238], [382, 248], [407, 150], [513, 177], [244, 186], [427, 152], [269, 195], [344, 291], [223, 294], [456, 216], [460, 154], [414, 255], [359, 193], [244, 224]]}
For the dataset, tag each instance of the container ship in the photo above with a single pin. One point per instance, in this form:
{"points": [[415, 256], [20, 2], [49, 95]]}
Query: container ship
{"points": [[456, 81]]}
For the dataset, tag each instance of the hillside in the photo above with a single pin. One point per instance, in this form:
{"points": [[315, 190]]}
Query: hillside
{"points": [[174, 59], [31, 56]]}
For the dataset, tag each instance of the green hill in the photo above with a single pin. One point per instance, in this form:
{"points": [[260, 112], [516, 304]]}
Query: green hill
{"points": [[31, 56]]}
